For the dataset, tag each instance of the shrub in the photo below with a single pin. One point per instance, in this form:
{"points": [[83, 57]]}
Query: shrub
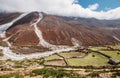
{"points": [[1, 52], [94, 74], [50, 72], [12, 75]]}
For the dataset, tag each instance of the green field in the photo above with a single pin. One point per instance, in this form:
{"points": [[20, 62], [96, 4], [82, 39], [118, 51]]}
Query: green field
{"points": [[113, 54], [98, 48], [52, 57], [97, 60], [93, 58], [107, 51], [71, 54]]}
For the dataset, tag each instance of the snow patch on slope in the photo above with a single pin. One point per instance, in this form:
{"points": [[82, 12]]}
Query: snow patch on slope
{"points": [[2, 35], [116, 38], [75, 42]]}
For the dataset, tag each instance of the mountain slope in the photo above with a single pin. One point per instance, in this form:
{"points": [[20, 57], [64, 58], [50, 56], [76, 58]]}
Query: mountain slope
{"points": [[56, 31]]}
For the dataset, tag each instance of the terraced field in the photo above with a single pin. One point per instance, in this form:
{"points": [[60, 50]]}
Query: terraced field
{"points": [[93, 59], [82, 59], [56, 63], [60, 59], [72, 54], [98, 48], [52, 57], [74, 59], [37, 68], [113, 54]]}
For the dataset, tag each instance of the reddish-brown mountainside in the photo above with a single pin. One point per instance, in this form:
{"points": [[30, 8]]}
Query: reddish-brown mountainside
{"points": [[58, 31]]}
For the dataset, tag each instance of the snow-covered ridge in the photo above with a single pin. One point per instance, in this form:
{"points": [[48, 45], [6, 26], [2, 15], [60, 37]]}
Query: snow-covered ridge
{"points": [[4, 27]]}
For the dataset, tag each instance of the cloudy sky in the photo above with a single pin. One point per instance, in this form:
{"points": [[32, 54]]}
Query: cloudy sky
{"points": [[100, 9]]}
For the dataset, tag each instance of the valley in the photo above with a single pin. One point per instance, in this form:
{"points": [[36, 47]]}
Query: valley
{"points": [[39, 45], [80, 63]]}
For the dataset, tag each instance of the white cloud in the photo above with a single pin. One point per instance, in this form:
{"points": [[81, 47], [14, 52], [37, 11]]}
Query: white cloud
{"points": [[76, 1], [107, 8], [59, 7], [93, 7]]}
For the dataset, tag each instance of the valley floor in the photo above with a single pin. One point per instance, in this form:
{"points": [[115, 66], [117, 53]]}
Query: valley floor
{"points": [[96, 62]]}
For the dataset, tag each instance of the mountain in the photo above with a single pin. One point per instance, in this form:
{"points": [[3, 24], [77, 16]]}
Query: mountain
{"points": [[93, 22], [48, 31], [7, 17]]}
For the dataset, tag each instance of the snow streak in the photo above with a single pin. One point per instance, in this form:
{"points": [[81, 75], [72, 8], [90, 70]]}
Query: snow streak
{"points": [[39, 34], [4, 27], [41, 39], [116, 38], [75, 42]]}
